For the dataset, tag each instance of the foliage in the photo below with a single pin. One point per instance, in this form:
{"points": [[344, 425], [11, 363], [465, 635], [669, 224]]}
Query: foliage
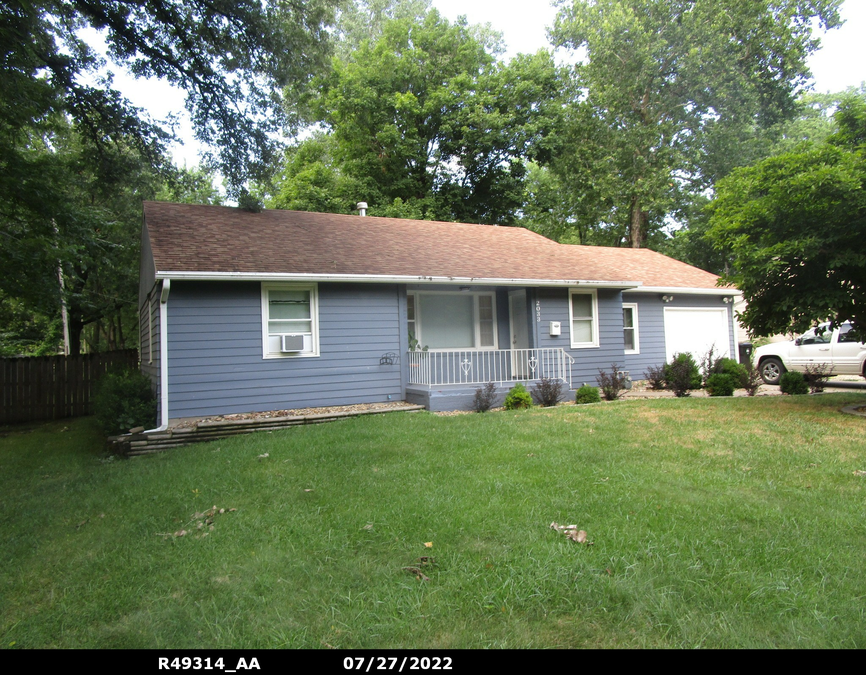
{"points": [[796, 223], [27, 333], [229, 58], [612, 384], [123, 401], [726, 366], [682, 374], [666, 94], [816, 376], [423, 122], [655, 375], [485, 397], [587, 394], [793, 383], [518, 398], [812, 122], [752, 380], [721, 384], [547, 391]]}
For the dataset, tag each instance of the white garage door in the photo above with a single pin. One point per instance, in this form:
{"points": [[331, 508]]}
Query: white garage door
{"points": [[695, 330]]}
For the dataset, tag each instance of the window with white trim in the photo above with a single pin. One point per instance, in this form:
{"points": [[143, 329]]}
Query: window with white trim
{"points": [[630, 328], [583, 318], [452, 320], [290, 320]]}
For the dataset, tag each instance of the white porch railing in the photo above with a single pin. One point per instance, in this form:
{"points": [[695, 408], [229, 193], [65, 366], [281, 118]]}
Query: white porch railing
{"points": [[479, 367]]}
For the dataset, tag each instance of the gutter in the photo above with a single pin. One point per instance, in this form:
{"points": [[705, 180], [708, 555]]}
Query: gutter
{"points": [[393, 278]]}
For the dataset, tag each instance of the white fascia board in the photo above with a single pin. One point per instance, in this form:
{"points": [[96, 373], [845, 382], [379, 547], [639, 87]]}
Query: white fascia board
{"points": [[673, 290], [391, 279]]}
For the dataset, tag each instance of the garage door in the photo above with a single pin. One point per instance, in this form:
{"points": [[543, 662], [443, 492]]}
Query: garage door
{"points": [[695, 330]]}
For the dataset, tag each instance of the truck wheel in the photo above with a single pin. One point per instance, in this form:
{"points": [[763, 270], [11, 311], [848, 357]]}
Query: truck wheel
{"points": [[771, 370]]}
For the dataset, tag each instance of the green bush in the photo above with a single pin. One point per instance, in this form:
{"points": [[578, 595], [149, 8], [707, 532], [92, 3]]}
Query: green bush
{"points": [[587, 394], [518, 397], [736, 370], [682, 374], [124, 400], [721, 384], [793, 383]]}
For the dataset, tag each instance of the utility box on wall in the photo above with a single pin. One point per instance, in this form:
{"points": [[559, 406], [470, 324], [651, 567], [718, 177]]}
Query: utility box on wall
{"points": [[555, 329]]}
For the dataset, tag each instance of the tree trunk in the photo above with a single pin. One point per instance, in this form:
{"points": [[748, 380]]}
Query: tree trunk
{"points": [[638, 224]]}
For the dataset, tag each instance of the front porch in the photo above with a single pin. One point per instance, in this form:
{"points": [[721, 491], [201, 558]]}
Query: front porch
{"points": [[447, 379]]}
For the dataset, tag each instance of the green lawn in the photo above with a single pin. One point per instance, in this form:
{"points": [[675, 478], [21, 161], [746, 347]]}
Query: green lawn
{"points": [[713, 522]]}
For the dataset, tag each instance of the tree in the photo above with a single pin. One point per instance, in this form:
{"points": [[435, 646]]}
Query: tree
{"points": [[812, 123], [229, 57], [424, 122], [796, 224], [76, 158], [660, 78]]}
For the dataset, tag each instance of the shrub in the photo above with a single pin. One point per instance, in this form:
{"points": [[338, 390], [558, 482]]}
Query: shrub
{"points": [[587, 394], [484, 398], [518, 397], [613, 383], [655, 375], [816, 376], [752, 379], [123, 400], [547, 392], [737, 371], [682, 374], [793, 383], [707, 366], [721, 384]]}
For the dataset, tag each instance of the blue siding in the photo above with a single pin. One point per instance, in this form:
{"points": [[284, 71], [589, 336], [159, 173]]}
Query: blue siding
{"points": [[651, 327], [551, 304], [216, 364]]}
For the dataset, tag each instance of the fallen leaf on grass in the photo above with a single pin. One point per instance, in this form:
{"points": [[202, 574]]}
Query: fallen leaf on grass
{"points": [[428, 544], [858, 472], [417, 572], [571, 532]]}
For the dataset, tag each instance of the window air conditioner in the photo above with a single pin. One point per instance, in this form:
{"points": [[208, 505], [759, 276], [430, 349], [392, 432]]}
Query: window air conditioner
{"points": [[291, 343]]}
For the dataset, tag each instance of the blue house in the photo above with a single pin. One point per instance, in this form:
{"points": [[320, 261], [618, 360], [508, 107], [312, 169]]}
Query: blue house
{"points": [[244, 312]]}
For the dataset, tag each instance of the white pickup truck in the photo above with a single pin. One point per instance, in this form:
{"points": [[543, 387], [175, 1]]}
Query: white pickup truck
{"points": [[836, 348]]}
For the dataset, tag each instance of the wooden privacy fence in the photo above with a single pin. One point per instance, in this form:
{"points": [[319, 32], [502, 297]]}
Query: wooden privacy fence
{"points": [[51, 387]]}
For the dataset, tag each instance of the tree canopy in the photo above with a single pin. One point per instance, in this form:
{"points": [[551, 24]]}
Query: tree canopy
{"points": [[666, 91], [76, 158], [424, 122], [796, 224]]}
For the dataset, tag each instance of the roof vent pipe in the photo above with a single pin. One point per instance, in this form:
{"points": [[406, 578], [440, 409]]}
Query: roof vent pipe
{"points": [[362, 208]]}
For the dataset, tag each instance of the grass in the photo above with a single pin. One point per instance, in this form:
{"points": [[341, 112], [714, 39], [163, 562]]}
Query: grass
{"points": [[715, 523]]}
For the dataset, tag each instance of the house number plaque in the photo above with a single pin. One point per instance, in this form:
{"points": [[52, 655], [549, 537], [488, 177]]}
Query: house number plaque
{"points": [[538, 311]]}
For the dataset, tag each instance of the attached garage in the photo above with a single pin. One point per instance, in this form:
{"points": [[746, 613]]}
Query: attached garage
{"points": [[696, 329]]}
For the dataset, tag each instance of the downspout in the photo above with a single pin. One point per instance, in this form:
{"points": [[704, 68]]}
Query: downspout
{"points": [[163, 357]]}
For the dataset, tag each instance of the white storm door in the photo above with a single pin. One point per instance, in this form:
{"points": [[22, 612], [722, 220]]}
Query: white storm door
{"points": [[519, 319]]}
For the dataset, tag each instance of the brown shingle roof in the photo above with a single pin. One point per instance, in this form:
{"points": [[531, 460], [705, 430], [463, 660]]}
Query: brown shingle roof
{"points": [[222, 240]]}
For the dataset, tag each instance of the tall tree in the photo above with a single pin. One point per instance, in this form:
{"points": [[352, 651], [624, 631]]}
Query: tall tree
{"points": [[660, 78], [229, 57], [796, 224], [424, 122], [76, 157]]}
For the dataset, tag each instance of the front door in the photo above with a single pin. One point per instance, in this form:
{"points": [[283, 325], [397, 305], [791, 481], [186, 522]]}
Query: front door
{"points": [[519, 318]]}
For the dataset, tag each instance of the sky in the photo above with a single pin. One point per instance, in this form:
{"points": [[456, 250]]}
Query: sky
{"points": [[841, 62]]}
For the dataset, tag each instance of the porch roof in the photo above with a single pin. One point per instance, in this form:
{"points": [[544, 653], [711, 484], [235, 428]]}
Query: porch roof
{"points": [[215, 242]]}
